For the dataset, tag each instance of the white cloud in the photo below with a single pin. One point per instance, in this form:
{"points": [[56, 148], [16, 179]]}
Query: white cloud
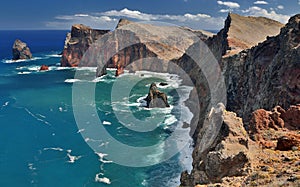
{"points": [[280, 7], [224, 10], [298, 2], [229, 4], [109, 19], [260, 3], [66, 21], [257, 11]]}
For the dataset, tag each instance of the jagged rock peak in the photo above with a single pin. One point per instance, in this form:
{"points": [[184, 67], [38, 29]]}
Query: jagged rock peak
{"points": [[244, 32], [123, 22]]}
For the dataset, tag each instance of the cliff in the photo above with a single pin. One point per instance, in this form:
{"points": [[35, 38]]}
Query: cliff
{"points": [[261, 77], [21, 51], [265, 75], [77, 42]]}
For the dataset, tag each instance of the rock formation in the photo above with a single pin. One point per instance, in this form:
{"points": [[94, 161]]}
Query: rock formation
{"points": [[44, 68], [156, 98], [76, 44], [240, 33], [21, 51]]}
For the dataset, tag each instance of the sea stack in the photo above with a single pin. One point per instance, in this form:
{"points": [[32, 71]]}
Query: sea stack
{"points": [[156, 98], [21, 51]]}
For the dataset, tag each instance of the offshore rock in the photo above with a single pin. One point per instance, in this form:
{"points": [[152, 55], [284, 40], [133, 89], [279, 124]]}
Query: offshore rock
{"points": [[76, 44], [21, 51], [156, 98], [44, 68]]}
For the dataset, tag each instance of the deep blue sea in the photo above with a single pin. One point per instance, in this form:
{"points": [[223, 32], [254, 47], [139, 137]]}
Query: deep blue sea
{"points": [[42, 142]]}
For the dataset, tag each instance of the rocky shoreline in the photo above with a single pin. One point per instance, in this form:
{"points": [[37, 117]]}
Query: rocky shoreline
{"points": [[259, 60]]}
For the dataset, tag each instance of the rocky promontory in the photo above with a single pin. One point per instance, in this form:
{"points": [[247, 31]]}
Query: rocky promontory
{"points": [[77, 42], [20, 50]]}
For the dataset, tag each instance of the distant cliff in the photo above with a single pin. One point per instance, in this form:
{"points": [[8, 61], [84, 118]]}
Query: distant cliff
{"points": [[77, 42]]}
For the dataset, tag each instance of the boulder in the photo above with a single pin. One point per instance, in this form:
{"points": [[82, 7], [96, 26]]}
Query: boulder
{"points": [[288, 142], [21, 51], [156, 98]]}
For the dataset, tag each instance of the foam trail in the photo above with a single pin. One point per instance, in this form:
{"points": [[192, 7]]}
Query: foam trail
{"points": [[106, 123], [103, 179], [101, 158], [37, 118], [54, 149]]}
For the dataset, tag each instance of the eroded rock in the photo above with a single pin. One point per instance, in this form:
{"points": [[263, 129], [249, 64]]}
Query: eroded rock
{"points": [[21, 51]]}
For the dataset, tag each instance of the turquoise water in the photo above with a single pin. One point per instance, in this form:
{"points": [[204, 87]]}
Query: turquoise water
{"points": [[43, 145]]}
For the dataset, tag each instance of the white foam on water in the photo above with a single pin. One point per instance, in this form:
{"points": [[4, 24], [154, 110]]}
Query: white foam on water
{"points": [[101, 158], [9, 61], [54, 55], [37, 118], [72, 158], [24, 73], [72, 80], [80, 130], [31, 167], [53, 148], [106, 123], [104, 180]]}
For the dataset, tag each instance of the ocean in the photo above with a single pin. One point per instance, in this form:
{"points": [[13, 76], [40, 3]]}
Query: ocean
{"points": [[45, 141]]}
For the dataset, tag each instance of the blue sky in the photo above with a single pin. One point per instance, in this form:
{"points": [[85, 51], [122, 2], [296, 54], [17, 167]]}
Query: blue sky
{"points": [[104, 14]]}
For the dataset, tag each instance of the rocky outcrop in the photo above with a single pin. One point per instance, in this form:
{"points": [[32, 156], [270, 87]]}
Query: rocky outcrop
{"points": [[156, 98], [273, 129], [21, 51], [221, 149], [76, 44]]}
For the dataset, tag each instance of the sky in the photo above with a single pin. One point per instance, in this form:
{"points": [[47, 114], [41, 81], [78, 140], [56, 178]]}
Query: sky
{"points": [[104, 14]]}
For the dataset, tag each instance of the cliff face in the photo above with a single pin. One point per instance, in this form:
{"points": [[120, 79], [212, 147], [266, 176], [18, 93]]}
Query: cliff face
{"points": [[266, 75], [20, 50], [76, 44], [261, 77]]}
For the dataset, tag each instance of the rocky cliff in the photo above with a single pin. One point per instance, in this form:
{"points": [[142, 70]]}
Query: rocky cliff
{"points": [[264, 76], [77, 42], [21, 51]]}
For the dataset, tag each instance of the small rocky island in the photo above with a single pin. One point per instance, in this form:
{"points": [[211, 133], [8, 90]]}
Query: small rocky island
{"points": [[21, 51], [156, 98]]}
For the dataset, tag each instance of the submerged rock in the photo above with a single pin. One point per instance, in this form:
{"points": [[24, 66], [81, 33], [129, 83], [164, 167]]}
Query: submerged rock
{"points": [[156, 98], [21, 51]]}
